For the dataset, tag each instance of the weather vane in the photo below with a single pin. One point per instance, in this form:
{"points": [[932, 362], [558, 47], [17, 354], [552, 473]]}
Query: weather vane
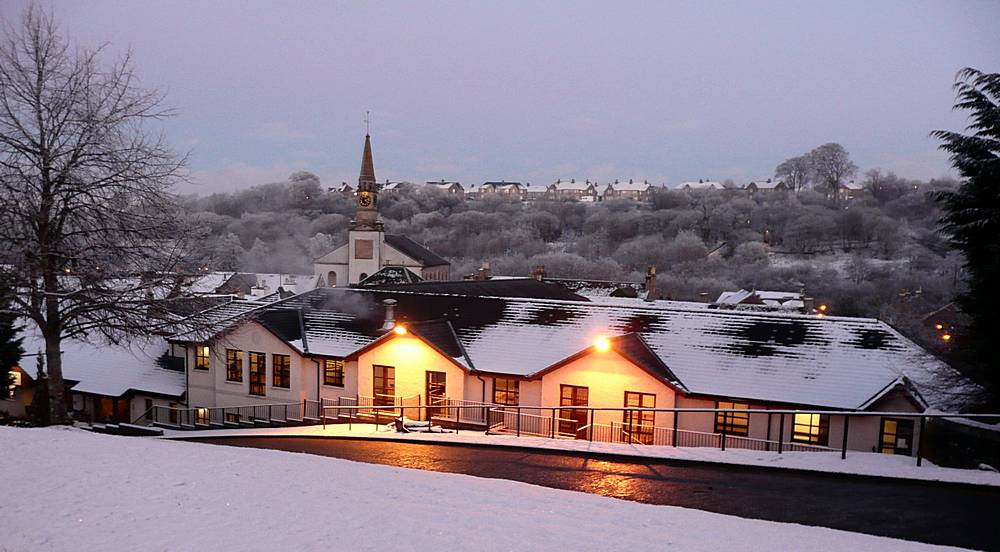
{"points": [[368, 122]]}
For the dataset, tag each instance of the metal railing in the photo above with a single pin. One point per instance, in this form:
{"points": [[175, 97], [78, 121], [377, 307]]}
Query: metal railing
{"points": [[250, 415]]}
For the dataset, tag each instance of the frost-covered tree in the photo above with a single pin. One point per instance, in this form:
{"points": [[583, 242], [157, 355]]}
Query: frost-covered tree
{"points": [[91, 231], [972, 217], [831, 165], [795, 171]]}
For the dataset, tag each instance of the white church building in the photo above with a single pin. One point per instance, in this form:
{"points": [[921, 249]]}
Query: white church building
{"points": [[369, 248]]}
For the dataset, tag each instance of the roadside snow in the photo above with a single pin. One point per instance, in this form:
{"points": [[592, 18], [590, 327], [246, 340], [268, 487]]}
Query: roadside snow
{"points": [[75, 490], [860, 463]]}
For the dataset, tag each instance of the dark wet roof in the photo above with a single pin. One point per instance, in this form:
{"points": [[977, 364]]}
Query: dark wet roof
{"points": [[414, 250], [389, 275], [513, 287]]}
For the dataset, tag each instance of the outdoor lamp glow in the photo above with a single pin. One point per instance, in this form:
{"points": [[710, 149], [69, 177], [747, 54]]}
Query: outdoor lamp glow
{"points": [[602, 344], [400, 330]]}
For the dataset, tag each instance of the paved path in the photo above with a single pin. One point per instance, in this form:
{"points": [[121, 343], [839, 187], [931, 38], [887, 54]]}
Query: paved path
{"points": [[938, 513]]}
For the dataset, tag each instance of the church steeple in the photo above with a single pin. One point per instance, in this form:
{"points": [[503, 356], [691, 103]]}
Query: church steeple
{"points": [[367, 165], [366, 215]]}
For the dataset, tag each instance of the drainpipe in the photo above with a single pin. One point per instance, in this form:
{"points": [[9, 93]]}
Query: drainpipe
{"points": [[187, 379], [480, 378]]}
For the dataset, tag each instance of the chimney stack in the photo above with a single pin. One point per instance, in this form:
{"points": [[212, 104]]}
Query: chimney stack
{"points": [[538, 273], [484, 273], [390, 315], [651, 284]]}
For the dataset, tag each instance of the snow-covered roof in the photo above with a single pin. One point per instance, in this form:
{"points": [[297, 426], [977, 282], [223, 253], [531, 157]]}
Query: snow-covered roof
{"points": [[766, 183], [110, 370], [834, 362], [702, 185], [210, 282], [631, 186], [572, 185]]}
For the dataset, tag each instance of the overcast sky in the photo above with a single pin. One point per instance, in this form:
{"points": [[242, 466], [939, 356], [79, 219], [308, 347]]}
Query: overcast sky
{"points": [[476, 91]]}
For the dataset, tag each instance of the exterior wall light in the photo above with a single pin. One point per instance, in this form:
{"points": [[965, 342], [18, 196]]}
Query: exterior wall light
{"points": [[399, 330], [602, 344]]}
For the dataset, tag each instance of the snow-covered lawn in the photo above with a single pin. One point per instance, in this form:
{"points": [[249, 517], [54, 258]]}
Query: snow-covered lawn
{"points": [[862, 463], [67, 489]]}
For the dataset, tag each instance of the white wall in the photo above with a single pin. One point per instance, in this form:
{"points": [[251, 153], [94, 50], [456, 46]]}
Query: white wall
{"points": [[608, 376]]}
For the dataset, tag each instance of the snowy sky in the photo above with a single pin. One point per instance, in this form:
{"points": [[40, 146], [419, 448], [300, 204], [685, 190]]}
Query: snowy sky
{"points": [[479, 91]]}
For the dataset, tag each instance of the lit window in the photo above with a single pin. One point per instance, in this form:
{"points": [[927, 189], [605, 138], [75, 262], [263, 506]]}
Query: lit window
{"points": [[281, 369], [201, 416], [258, 377], [234, 365], [811, 428], [733, 423], [333, 372], [201, 357], [506, 391], [15, 382]]}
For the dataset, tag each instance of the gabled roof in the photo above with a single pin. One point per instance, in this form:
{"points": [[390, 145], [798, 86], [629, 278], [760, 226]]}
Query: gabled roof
{"points": [[414, 250], [389, 275], [99, 368]]}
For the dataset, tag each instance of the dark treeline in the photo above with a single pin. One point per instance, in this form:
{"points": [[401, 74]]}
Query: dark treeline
{"points": [[858, 255]]}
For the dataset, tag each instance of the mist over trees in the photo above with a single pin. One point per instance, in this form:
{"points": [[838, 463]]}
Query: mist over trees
{"points": [[857, 255]]}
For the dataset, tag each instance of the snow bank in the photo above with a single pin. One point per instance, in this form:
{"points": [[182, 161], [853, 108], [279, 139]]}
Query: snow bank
{"points": [[83, 491], [859, 463]]}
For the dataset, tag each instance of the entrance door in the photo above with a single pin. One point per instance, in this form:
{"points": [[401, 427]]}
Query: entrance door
{"points": [[384, 385], [639, 424], [435, 391], [572, 419], [896, 436]]}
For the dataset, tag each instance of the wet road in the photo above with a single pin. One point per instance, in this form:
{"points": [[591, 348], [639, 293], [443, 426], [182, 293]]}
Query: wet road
{"points": [[957, 515]]}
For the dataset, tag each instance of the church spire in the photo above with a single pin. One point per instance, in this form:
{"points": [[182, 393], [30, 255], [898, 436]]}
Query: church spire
{"points": [[367, 164], [366, 215]]}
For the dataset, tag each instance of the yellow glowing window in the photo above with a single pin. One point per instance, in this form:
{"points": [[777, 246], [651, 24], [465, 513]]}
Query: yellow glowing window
{"points": [[201, 357], [811, 428], [333, 372], [733, 423]]}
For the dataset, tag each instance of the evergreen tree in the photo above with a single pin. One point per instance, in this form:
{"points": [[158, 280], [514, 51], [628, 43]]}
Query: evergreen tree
{"points": [[10, 343], [972, 221]]}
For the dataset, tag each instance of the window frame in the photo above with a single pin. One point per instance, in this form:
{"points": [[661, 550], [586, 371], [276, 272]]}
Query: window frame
{"points": [[338, 373], [282, 379], [822, 425], [507, 391], [257, 388], [234, 357], [726, 422], [639, 427], [202, 361]]}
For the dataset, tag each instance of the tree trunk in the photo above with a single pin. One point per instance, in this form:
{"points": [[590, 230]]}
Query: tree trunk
{"points": [[53, 361]]}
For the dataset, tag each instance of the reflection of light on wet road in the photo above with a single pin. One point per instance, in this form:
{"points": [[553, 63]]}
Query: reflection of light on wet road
{"points": [[618, 486]]}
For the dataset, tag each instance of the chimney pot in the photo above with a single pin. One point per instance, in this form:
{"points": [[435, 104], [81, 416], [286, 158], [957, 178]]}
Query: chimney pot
{"points": [[390, 315]]}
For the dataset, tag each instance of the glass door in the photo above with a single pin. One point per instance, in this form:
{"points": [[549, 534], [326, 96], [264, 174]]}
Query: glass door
{"points": [[896, 436], [436, 393], [572, 419], [384, 385], [639, 425]]}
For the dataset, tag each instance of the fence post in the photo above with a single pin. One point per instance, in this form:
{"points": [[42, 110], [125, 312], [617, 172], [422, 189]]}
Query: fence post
{"points": [[843, 446], [781, 432], [674, 436], [552, 425], [518, 423], [920, 443], [323, 413], [723, 440], [591, 435]]}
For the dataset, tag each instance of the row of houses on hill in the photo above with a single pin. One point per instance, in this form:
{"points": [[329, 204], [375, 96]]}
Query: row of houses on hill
{"points": [[593, 191]]}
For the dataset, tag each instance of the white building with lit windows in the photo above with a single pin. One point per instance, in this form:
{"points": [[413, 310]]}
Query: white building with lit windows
{"points": [[341, 346]]}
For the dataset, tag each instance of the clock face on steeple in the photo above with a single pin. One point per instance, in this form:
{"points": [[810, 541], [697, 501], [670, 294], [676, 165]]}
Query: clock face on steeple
{"points": [[365, 199]]}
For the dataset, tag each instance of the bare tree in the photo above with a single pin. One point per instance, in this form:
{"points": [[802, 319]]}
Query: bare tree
{"points": [[831, 165], [795, 172], [90, 233]]}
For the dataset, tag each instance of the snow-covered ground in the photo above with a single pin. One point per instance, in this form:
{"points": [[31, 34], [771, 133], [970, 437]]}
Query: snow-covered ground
{"points": [[862, 463], [71, 490]]}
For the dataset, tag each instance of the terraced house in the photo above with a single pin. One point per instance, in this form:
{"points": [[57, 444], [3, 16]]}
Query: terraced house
{"points": [[438, 347]]}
